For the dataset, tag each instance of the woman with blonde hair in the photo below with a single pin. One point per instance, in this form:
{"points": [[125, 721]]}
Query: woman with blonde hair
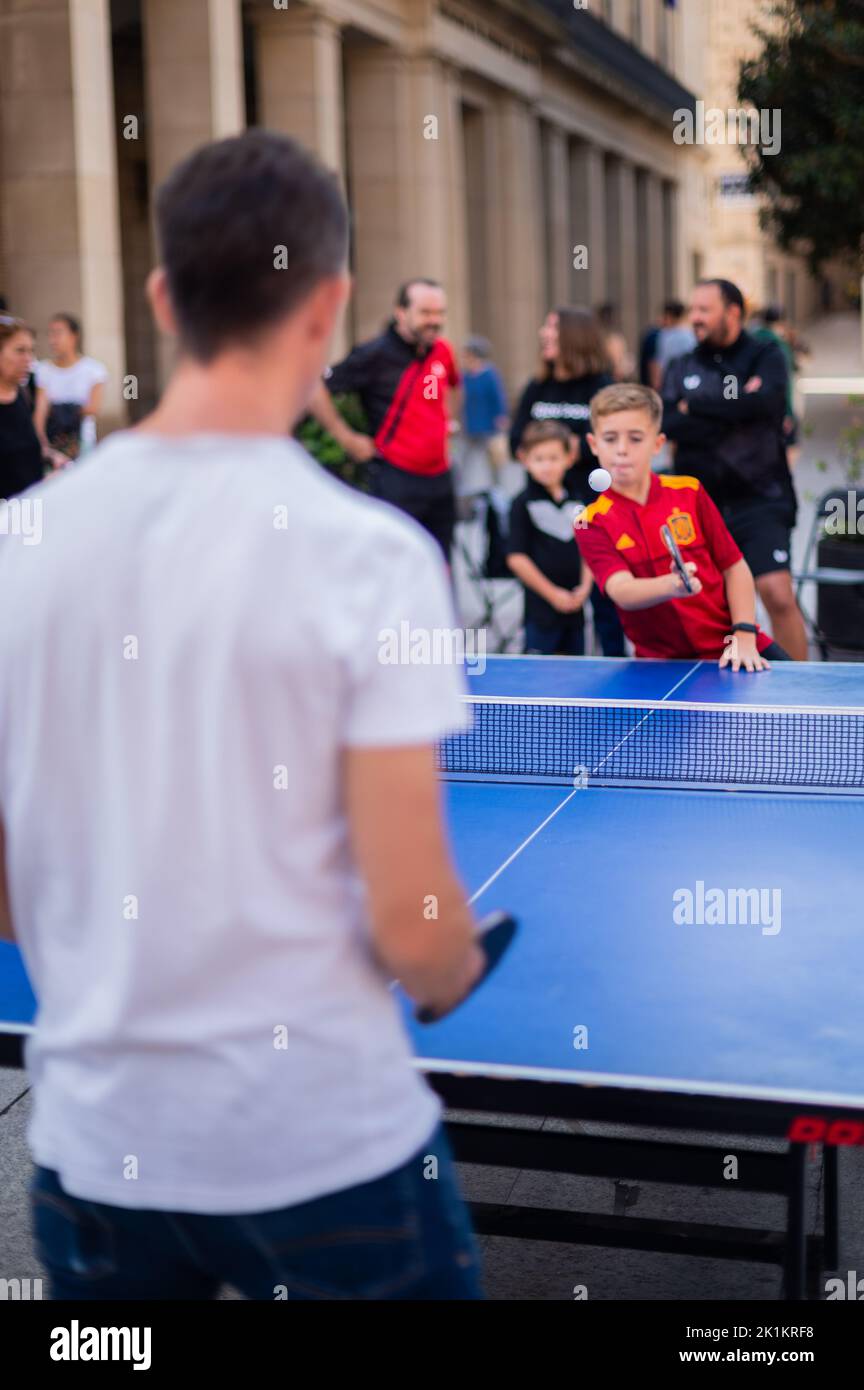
{"points": [[574, 366]]}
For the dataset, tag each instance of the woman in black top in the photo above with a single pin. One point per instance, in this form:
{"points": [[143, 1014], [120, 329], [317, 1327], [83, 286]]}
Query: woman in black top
{"points": [[573, 367], [21, 456]]}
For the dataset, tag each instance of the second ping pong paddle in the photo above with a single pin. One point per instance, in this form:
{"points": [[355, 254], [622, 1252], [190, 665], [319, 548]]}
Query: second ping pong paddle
{"points": [[494, 936]]}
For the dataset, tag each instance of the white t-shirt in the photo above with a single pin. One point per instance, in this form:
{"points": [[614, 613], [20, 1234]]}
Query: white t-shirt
{"points": [[70, 385], [183, 659]]}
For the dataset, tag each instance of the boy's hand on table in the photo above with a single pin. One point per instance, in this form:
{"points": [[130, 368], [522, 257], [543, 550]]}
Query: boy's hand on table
{"points": [[741, 650]]}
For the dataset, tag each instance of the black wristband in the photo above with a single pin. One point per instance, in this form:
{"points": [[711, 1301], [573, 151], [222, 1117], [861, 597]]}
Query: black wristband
{"points": [[745, 627]]}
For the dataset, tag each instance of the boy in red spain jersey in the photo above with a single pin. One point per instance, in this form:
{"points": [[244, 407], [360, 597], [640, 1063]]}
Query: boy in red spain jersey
{"points": [[621, 540]]}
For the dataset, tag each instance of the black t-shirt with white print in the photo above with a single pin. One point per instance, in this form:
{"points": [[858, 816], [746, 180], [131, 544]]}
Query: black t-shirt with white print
{"points": [[542, 529]]}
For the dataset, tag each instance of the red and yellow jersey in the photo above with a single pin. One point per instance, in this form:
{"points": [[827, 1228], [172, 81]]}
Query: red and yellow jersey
{"points": [[617, 534]]}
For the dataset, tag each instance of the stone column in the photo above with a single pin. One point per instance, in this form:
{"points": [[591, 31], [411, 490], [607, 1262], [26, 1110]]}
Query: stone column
{"points": [[588, 222], [300, 92], [405, 170], [621, 184], [515, 215], [559, 243], [299, 58], [193, 60]]}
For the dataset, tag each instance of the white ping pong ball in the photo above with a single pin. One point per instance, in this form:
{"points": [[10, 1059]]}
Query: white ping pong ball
{"points": [[600, 479]]}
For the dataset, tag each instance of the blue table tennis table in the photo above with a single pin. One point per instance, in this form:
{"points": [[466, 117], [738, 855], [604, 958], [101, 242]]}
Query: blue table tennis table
{"points": [[626, 812]]}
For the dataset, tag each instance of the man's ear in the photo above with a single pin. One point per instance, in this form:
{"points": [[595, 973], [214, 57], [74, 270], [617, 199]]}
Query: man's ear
{"points": [[160, 301], [326, 305]]}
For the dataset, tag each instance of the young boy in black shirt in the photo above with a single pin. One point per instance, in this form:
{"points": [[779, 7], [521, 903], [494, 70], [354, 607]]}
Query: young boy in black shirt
{"points": [[542, 551]]}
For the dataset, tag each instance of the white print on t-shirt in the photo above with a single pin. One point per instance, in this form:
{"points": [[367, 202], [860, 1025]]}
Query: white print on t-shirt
{"points": [[553, 521], [560, 410]]}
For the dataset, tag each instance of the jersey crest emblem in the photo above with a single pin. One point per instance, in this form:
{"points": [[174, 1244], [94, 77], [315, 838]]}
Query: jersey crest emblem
{"points": [[682, 528]]}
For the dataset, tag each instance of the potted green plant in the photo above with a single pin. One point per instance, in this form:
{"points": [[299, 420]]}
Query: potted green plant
{"points": [[840, 608], [331, 455]]}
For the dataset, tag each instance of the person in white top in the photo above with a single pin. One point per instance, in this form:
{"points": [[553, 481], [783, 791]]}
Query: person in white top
{"points": [[69, 389], [218, 856]]}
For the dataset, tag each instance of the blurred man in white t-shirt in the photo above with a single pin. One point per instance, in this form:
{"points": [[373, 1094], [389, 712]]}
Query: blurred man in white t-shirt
{"points": [[219, 843]]}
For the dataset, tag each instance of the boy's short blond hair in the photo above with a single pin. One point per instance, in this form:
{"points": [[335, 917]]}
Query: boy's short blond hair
{"points": [[626, 395]]}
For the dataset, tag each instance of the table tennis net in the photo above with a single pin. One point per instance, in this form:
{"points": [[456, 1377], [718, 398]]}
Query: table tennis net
{"points": [[660, 744]]}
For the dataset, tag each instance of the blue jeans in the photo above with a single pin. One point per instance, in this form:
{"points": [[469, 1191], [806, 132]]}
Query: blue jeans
{"points": [[404, 1236]]}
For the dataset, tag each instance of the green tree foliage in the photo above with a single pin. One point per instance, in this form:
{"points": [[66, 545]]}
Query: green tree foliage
{"points": [[329, 454], [811, 69]]}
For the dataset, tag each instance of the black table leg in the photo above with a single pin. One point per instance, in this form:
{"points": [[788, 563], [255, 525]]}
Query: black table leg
{"points": [[832, 1206], [795, 1263]]}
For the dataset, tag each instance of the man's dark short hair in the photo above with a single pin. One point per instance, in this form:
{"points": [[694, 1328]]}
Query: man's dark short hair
{"points": [[403, 294], [674, 309], [247, 227], [729, 293]]}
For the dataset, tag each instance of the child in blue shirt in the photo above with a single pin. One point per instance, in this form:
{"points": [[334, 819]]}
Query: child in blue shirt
{"points": [[486, 413]]}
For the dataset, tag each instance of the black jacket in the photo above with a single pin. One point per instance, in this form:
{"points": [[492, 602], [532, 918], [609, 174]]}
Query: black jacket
{"points": [[730, 439]]}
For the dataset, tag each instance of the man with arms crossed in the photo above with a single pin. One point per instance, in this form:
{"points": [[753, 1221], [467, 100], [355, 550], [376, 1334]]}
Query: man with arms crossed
{"points": [[724, 406], [218, 859]]}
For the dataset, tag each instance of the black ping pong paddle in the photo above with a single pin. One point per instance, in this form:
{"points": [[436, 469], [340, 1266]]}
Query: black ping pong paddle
{"points": [[677, 558], [494, 935]]}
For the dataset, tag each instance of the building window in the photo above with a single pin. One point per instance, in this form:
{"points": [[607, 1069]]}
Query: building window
{"points": [[549, 247], [664, 36], [644, 307], [670, 242]]}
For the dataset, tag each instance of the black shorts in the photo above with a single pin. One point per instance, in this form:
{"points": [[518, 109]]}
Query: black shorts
{"points": [[429, 499], [762, 531], [775, 653]]}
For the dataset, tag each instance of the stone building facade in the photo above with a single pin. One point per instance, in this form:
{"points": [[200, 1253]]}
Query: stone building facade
{"points": [[519, 150]]}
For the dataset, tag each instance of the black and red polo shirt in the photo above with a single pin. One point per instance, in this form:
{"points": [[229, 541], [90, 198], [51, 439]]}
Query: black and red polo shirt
{"points": [[616, 534], [404, 395]]}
